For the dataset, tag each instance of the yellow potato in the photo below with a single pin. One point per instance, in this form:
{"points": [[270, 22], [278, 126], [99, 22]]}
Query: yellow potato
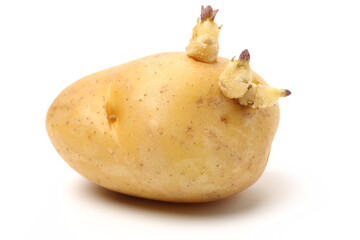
{"points": [[161, 128]]}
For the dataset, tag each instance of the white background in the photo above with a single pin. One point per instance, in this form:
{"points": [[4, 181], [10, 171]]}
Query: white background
{"points": [[310, 189]]}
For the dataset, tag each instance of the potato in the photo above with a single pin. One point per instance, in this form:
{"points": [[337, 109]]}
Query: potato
{"points": [[160, 128]]}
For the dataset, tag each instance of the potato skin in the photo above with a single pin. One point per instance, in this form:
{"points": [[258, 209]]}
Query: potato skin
{"points": [[159, 128]]}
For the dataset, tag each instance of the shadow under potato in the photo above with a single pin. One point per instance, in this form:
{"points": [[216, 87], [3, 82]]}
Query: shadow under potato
{"points": [[273, 186]]}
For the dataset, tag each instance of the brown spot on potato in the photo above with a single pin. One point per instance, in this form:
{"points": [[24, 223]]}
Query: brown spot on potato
{"points": [[164, 89], [212, 134], [111, 118]]}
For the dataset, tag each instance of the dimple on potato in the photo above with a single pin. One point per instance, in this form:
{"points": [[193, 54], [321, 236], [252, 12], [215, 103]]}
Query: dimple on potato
{"points": [[162, 127]]}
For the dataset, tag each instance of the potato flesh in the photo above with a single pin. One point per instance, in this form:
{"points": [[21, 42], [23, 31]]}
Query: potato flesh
{"points": [[160, 128]]}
